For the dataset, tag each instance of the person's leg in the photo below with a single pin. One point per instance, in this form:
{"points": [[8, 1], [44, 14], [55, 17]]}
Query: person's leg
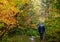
{"points": [[41, 36]]}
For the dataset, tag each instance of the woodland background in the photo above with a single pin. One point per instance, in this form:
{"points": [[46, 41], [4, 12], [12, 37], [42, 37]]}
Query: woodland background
{"points": [[19, 21]]}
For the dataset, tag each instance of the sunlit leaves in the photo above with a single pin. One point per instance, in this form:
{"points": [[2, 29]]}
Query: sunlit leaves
{"points": [[1, 25], [7, 13]]}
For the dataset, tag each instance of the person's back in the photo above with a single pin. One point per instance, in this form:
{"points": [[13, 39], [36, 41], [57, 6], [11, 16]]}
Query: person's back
{"points": [[41, 30]]}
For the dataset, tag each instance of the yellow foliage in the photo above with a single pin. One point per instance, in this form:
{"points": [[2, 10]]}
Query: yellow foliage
{"points": [[33, 25], [9, 9]]}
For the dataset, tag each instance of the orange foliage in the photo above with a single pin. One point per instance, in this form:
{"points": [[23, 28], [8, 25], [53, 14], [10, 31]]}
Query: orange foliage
{"points": [[7, 13], [6, 18]]}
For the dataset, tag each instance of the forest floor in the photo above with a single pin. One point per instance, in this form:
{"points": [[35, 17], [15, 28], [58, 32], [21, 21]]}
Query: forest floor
{"points": [[21, 38]]}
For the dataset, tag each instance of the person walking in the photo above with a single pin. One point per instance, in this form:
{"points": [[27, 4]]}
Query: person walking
{"points": [[41, 30]]}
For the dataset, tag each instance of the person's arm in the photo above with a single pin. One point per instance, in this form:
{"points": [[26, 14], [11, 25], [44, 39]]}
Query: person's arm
{"points": [[44, 28], [39, 29]]}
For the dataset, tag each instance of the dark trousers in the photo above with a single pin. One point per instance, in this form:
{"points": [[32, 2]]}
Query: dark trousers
{"points": [[41, 36]]}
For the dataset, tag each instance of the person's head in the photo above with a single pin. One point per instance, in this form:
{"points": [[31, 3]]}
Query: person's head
{"points": [[41, 24]]}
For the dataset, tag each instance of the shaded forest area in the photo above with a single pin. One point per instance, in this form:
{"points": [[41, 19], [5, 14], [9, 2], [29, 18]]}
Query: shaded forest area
{"points": [[19, 20]]}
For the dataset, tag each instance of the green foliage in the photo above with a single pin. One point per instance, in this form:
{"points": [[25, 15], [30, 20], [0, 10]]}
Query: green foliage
{"points": [[1, 25], [56, 4], [53, 29], [32, 32], [53, 36], [21, 19]]}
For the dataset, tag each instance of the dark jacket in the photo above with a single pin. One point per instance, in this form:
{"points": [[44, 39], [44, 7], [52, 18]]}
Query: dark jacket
{"points": [[41, 28]]}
